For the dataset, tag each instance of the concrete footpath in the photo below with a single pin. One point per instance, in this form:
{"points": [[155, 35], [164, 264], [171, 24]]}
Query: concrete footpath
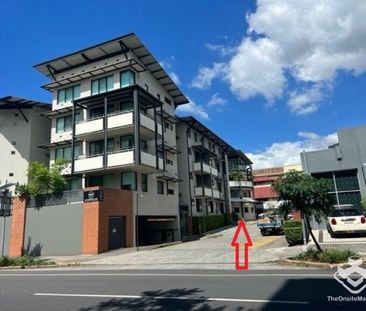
{"points": [[212, 251]]}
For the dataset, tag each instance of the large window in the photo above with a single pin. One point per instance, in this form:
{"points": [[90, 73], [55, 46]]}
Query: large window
{"points": [[64, 124], [126, 106], [101, 180], [68, 94], [102, 85], [127, 78], [128, 181], [97, 147], [144, 182], [160, 185], [127, 142], [99, 111], [73, 184], [65, 153]]}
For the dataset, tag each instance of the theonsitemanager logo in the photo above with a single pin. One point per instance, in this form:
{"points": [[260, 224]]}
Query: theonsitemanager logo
{"points": [[353, 277]]}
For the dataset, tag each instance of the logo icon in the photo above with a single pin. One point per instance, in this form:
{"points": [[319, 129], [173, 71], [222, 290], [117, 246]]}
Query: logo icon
{"points": [[353, 277]]}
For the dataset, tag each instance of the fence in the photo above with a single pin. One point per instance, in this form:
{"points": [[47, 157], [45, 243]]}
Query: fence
{"points": [[67, 197]]}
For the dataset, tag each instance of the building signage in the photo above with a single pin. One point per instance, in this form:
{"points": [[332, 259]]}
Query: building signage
{"points": [[268, 171], [93, 195]]}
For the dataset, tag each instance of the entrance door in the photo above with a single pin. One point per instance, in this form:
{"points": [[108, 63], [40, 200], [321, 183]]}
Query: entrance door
{"points": [[116, 232]]}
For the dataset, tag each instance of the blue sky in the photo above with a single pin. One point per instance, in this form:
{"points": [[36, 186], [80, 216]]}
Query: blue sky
{"points": [[271, 77]]}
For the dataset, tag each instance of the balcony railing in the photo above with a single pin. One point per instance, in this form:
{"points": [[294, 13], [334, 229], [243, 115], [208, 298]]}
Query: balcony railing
{"points": [[206, 168]]}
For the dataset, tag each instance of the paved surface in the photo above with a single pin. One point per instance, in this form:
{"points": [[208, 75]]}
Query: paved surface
{"points": [[171, 290], [210, 252]]}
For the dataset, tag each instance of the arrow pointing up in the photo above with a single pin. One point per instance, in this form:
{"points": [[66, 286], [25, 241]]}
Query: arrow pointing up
{"points": [[241, 241]]}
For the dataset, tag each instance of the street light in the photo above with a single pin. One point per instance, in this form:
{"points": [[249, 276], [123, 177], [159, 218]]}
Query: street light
{"points": [[137, 218]]}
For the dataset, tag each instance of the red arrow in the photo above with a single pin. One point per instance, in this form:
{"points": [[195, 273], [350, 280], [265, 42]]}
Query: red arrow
{"points": [[241, 239]]}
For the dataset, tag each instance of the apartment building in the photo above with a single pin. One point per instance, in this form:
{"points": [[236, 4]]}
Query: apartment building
{"points": [[263, 179], [113, 118], [203, 167], [21, 131], [241, 185]]}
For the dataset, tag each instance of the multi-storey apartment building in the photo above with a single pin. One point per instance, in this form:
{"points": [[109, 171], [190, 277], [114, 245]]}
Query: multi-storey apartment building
{"points": [[203, 166], [241, 185], [21, 131], [113, 109]]}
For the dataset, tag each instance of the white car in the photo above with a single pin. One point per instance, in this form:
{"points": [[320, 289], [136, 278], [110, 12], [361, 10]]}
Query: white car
{"points": [[346, 219]]}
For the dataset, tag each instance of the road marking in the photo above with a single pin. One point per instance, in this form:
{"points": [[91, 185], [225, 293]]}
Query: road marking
{"points": [[264, 240], [174, 298], [321, 275]]}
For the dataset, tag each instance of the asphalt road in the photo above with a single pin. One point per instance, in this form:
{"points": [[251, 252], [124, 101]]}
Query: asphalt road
{"points": [[110, 290]]}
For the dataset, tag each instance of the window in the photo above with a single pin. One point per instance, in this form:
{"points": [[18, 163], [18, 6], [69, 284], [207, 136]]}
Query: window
{"points": [[127, 78], [97, 147], [68, 94], [129, 181], [13, 152], [99, 111], [167, 100], [65, 153], [211, 206], [169, 161], [246, 209], [144, 182], [73, 184], [102, 85], [195, 137], [170, 191], [189, 134], [198, 205], [146, 87], [127, 142], [189, 150], [143, 145], [11, 174], [126, 106], [158, 95], [64, 124], [14, 143], [190, 175], [95, 181], [160, 185]]}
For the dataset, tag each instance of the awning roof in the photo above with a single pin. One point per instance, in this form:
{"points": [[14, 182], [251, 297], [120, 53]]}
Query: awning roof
{"points": [[58, 144], [13, 102], [202, 129], [52, 113], [114, 47]]}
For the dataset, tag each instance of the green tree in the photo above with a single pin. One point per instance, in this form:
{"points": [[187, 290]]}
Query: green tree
{"points": [[363, 204], [42, 180], [302, 192], [237, 175]]}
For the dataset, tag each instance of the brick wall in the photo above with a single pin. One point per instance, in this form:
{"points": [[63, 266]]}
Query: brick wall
{"points": [[17, 228], [96, 215]]}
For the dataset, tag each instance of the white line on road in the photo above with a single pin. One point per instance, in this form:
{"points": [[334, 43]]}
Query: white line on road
{"points": [[174, 298], [320, 275]]}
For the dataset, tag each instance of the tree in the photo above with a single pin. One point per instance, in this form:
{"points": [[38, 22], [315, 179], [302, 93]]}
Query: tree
{"points": [[363, 204], [302, 192], [237, 175], [42, 180]]}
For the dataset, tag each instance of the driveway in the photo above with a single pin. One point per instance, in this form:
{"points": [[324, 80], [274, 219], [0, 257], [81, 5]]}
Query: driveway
{"points": [[210, 252]]}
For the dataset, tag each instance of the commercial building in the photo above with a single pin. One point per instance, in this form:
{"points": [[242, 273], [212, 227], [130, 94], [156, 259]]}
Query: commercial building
{"points": [[205, 164], [343, 163], [21, 131], [113, 114], [263, 179]]}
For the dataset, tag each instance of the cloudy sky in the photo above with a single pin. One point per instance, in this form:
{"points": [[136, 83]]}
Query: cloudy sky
{"points": [[271, 77]]}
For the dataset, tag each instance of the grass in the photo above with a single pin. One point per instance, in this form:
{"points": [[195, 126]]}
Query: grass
{"points": [[326, 256], [24, 261]]}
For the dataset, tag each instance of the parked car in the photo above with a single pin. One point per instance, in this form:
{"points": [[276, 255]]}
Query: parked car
{"points": [[270, 223], [346, 219]]}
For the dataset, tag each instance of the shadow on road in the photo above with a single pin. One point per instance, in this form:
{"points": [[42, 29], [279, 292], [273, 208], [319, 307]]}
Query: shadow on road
{"points": [[174, 299]]}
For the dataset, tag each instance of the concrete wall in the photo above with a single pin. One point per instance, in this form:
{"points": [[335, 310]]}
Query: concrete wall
{"points": [[7, 221], [56, 229]]}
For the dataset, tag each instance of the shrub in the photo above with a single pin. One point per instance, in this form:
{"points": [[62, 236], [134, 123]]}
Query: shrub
{"points": [[327, 256], [203, 224], [24, 261], [293, 232]]}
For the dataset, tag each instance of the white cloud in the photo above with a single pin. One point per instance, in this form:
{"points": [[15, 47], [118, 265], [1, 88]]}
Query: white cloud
{"points": [[222, 49], [287, 153], [167, 64], [308, 42], [206, 75], [193, 109], [216, 100], [174, 77]]}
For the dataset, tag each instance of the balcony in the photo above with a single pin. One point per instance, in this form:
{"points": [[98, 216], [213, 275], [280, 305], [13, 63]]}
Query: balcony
{"points": [[206, 192], [122, 157], [243, 184], [89, 126], [120, 120], [148, 122], [205, 168], [88, 164]]}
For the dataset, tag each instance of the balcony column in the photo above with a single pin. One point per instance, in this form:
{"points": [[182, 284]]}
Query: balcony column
{"points": [[105, 126], [162, 135], [136, 113], [226, 182], [156, 137], [73, 139]]}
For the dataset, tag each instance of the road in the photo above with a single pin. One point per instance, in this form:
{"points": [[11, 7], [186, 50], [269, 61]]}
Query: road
{"points": [[91, 290]]}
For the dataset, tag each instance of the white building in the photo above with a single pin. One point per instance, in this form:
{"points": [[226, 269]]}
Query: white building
{"points": [[113, 109], [22, 130]]}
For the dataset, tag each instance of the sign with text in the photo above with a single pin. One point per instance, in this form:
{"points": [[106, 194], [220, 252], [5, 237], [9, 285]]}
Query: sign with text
{"points": [[93, 195]]}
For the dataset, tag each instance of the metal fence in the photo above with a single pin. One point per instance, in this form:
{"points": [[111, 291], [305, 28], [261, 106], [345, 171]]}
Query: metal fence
{"points": [[67, 197]]}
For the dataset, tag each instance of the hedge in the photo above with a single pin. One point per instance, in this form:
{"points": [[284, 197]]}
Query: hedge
{"points": [[293, 232], [203, 224]]}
